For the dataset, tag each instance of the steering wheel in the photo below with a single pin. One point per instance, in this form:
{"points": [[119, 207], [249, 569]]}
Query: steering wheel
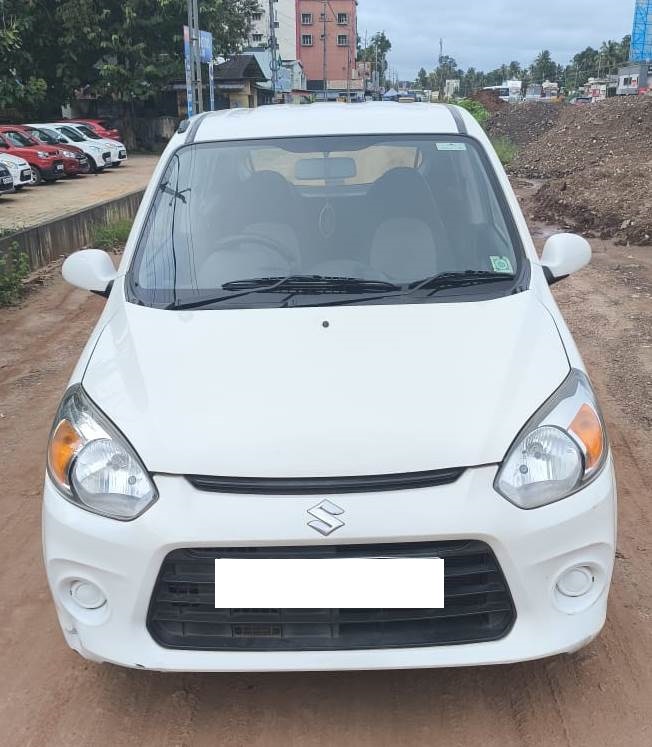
{"points": [[269, 243]]}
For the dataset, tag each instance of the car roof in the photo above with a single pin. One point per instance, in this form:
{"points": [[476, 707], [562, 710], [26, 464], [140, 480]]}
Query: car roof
{"points": [[292, 120]]}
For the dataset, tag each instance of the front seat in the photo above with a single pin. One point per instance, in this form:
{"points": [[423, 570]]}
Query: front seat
{"points": [[264, 205], [408, 231]]}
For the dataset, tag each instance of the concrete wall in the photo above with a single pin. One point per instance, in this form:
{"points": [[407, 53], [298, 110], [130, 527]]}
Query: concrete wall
{"points": [[48, 241]]}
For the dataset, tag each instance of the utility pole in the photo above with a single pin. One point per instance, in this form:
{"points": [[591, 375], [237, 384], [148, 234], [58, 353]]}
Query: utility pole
{"points": [[195, 57], [274, 46], [324, 42]]}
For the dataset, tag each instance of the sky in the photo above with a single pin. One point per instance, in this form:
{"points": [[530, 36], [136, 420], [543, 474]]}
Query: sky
{"points": [[487, 33]]}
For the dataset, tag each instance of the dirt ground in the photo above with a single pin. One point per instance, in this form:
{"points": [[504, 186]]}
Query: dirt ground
{"points": [[599, 696]]}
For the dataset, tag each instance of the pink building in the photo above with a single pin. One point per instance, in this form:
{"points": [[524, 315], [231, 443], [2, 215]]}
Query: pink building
{"points": [[340, 18]]}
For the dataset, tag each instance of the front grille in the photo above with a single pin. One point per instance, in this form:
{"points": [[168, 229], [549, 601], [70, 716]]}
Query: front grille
{"points": [[478, 605], [319, 485]]}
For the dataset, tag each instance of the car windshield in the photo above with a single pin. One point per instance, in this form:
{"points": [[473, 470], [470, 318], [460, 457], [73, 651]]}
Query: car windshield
{"points": [[19, 139], [328, 220], [88, 132], [72, 134], [44, 136]]}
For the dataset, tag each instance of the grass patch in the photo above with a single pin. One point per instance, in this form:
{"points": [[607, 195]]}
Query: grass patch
{"points": [[14, 268], [113, 235], [505, 149], [475, 108]]}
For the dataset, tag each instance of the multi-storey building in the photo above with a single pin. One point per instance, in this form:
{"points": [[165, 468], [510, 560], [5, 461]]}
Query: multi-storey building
{"points": [[326, 34], [284, 20]]}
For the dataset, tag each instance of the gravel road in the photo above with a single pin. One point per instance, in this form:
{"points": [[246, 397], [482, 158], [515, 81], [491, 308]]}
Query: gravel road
{"points": [[599, 696]]}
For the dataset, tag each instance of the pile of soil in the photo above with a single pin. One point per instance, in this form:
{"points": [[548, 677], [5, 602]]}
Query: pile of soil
{"points": [[489, 99], [598, 160], [524, 123]]}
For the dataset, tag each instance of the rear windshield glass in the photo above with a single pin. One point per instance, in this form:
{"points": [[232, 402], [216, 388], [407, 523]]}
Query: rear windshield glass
{"points": [[391, 211]]}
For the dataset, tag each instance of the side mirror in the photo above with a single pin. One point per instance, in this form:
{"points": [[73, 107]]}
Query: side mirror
{"points": [[564, 254], [90, 269]]}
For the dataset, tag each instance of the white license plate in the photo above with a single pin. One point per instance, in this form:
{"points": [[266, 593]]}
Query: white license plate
{"points": [[58, 167], [7, 180], [329, 583]]}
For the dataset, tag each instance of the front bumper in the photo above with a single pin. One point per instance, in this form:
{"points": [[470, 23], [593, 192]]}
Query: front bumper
{"points": [[6, 183], [532, 547], [52, 170], [76, 166], [118, 156]]}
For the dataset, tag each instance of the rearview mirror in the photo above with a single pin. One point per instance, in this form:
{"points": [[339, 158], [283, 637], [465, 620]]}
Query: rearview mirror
{"points": [[90, 269], [564, 254], [311, 169]]}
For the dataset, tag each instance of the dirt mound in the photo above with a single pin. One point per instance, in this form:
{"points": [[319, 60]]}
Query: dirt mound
{"points": [[489, 99], [523, 123], [598, 159]]}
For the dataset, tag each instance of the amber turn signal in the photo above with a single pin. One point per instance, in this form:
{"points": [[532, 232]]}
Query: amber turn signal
{"points": [[587, 428], [64, 444]]}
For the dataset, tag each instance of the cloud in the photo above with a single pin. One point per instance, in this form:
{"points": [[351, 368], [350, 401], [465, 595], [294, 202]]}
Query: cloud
{"points": [[487, 33]]}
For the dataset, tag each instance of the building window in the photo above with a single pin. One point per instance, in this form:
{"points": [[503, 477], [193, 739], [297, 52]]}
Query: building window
{"points": [[306, 40], [306, 19], [256, 16], [257, 38], [342, 40], [342, 19], [276, 24]]}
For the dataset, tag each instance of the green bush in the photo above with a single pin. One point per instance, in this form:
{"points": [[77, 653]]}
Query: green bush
{"points": [[113, 235], [475, 108], [14, 268], [505, 149]]}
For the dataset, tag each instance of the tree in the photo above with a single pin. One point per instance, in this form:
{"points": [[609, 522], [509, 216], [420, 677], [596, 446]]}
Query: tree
{"points": [[129, 50], [447, 69], [422, 79], [543, 68], [19, 87], [376, 52]]}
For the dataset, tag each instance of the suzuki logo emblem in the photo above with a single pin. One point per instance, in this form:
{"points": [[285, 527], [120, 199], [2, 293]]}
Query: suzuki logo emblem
{"points": [[326, 521]]}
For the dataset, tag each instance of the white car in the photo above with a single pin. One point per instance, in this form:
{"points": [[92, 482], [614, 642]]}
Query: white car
{"points": [[99, 155], [118, 150], [20, 170], [329, 338]]}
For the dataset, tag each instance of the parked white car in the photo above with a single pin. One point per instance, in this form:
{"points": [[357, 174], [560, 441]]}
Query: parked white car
{"points": [[99, 155], [20, 170], [118, 150], [329, 337]]}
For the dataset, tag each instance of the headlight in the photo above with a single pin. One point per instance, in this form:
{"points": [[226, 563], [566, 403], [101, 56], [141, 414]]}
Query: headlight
{"points": [[560, 450], [68, 153], [95, 148], [42, 154], [92, 464]]}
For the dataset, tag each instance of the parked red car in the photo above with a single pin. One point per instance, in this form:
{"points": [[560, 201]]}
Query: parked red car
{"points": [[101, 126], [75, 161], [44, 160]]}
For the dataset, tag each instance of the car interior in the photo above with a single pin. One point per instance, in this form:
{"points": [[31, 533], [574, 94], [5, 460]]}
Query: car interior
{"points": [[233, 214]]}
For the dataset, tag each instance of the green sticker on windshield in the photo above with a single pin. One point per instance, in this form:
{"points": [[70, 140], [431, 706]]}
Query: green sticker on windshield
{"points": [[451, 146], [501, 264]]}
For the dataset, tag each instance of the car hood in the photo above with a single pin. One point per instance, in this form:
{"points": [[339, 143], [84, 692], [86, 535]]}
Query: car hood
{"points": [[15, 162], [276, 393]]}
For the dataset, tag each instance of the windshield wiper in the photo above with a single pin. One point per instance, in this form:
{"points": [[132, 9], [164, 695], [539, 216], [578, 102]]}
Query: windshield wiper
{"points": [[318, 283], [293, 283], [463, 277]]}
